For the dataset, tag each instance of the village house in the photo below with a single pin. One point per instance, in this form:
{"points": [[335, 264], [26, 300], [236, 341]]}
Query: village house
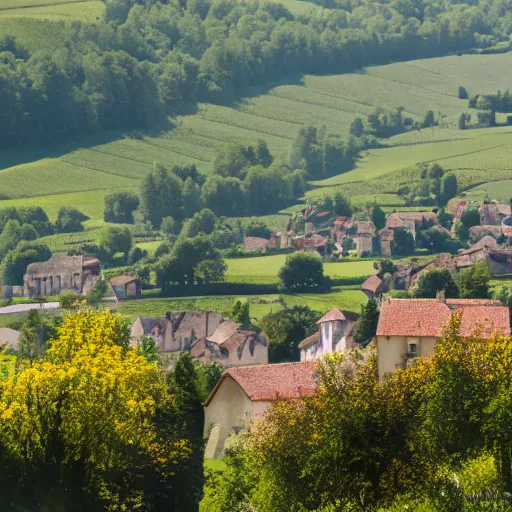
{"points": [[316, 243], [126, 287], [499, 262], [412, 221], [245, 393], [409, 328], [61, 272], [386, 242], [231, 346], [334, 334], [374, 287], [205, 335], [493, 213]]}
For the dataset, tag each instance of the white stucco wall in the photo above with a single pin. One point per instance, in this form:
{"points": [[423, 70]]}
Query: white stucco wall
{"points": [[230, 408]]}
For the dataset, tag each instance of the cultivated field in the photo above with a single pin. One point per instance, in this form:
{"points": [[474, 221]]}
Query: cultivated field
{"points": [[275, 115]]}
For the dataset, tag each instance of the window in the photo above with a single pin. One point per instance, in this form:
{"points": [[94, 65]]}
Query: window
{"points": [[413, 348]]}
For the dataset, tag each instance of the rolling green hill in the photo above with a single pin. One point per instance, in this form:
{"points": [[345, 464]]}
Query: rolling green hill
{"points": [[119, 160]]}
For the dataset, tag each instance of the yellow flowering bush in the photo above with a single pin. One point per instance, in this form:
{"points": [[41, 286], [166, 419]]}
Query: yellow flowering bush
{"points": [[95, 410]]}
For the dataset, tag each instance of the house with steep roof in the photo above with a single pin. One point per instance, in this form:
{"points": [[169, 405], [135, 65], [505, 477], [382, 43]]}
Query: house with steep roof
{"points": [[244, 394], [335, 334], [409, 328], [231, 346], [205, 335]]}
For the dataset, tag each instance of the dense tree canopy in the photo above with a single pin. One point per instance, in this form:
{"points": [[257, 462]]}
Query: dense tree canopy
{"points": [[106, 432], [148, 59], [302, 271]]}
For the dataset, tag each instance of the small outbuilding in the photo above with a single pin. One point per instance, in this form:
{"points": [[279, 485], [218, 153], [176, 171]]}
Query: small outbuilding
{"points": [[374, 287], [126, 287]]}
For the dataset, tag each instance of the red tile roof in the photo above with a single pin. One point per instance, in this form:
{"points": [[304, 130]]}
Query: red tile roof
{"points": [[270, 381], [427, 317], [332, 316]]}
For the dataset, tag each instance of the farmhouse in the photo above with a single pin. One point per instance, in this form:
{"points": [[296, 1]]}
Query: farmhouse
{"points": [[245, 393], [61, 272], [205, 335], [230, 346], [255, 244], [409, 328], [126, 287], [500, 262], [334, 334]]}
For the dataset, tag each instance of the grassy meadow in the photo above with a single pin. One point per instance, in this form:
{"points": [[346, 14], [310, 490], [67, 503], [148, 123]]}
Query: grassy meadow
{"points": [[343, 297], [264, 269]]}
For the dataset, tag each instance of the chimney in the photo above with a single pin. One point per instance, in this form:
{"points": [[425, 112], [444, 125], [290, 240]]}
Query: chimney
{"points": [[440, 296]]}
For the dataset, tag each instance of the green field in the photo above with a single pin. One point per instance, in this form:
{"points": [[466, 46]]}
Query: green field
{"points": [[346, 297], [275, 115], [264, 269]]}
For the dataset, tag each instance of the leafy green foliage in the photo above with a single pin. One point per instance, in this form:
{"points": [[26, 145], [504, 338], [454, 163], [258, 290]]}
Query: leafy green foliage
{"points": [[69, 220], [367, 324], [404, 243], [14, 265], [285, 329], [302, 271], [436, 280], [119, 207], [474, 282]]}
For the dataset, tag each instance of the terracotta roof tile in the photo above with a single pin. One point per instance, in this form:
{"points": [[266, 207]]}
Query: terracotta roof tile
{"points": [[268, 382], [427, 317], [333, 315]]}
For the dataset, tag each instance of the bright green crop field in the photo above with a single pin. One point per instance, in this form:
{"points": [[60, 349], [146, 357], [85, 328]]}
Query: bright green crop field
{"points": [[115, 161]]}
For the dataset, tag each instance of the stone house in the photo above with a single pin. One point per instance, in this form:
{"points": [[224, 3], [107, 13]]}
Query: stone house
{"points": [[412, 221], [374, 287], [316, 243], [244, 394], [335, 334], [126, 287], [179, 331], [231, 346], [409, 328], [205, 335], [386, 241], [492, 214], [499, 262], [61, 272]]}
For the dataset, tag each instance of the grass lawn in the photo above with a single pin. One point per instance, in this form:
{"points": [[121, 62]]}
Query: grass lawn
{"points": [[264, 269]]}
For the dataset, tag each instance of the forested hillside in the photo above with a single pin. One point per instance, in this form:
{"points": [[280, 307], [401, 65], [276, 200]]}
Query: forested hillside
{"points": [[148, 59]]}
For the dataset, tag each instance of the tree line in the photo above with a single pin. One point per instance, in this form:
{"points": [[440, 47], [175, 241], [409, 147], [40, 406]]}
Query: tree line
{"points": [[148, 59]]}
